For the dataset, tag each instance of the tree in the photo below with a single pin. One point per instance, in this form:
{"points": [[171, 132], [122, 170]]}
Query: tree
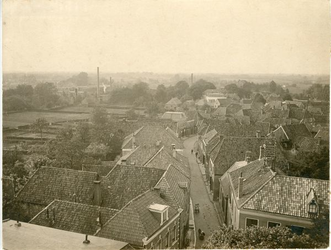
{"points": [[272, 87], [312, 165], [131, 114], [258, 237], [181, 88], [197, 89], [161, 94], [99, 116], [45, 95], [83, 132], [259, 98], [97, 150], [39, 125]]}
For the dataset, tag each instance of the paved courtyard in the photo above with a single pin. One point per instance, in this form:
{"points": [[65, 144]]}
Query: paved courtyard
{"points": [[207, 219]]}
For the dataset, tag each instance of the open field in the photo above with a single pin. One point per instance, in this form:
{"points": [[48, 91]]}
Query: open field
{"points": [[115, 111], [15, 120]]}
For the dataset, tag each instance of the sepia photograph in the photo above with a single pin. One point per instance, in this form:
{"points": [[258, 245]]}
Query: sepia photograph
{"points": [[165, 124]]}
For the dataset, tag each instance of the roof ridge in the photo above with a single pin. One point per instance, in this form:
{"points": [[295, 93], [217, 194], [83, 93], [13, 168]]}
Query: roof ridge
{"points": [[125, 206], [259, 189], [43, 209], [148, 161], [163, 175], [19, 192]]}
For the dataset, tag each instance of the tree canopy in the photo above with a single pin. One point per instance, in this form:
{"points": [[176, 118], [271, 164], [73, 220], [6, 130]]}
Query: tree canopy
{"points": [[259, 237]]}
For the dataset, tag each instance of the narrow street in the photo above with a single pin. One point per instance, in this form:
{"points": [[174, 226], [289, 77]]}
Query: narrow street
{"points": [[207, 219]]}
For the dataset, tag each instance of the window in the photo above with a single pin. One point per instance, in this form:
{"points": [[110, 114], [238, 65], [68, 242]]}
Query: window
{"points": [[273, 224], [174, 233], [295, 229], [166, 240], [251, 222]]}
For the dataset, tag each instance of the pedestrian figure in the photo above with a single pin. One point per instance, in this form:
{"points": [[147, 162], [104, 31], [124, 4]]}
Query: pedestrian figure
{"points": [[196, 154], [191, 151], [199, 231]]}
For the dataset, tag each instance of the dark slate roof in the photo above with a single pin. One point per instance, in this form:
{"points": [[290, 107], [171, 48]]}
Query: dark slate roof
{"points": [[287, 195], [172, 185], [73, 217], [255, 174], [135, 222], [233, 149], [49, 183], [294, 131], [126, 182], [102, 170]]}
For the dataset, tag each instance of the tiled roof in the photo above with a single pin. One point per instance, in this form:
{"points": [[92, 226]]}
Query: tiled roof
{"points": [[141, 154], [233, 149], [135, 221], [175, 116], [240, 130], [294, 131], [210, 135], [220, 111], [164, 157], [126, 182], [49, 183], [73, 217], [173, 187], [102, 170], [298, 113], [149, 135], [287, 195], [233, 108], [255, 174], [212, 143], [175, 101], [324, 134]]}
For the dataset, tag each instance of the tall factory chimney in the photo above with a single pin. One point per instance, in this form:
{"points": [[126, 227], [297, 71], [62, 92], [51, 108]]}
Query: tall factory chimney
{"points": [[98, 93], [191, 78]]}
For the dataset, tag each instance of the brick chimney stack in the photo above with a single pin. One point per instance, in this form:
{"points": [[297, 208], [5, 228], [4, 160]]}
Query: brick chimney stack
{"points": [[174, 152], [248, 156], [240, 185], [258, 133], [97, 193]]}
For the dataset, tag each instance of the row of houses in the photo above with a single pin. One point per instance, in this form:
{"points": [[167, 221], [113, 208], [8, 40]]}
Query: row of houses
{"points": [[246, 173], [142, 201]]}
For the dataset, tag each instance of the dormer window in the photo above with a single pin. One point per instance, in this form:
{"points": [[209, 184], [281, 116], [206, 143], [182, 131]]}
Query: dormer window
{"points": [[160, 211], [312, 209], [312, 204]]}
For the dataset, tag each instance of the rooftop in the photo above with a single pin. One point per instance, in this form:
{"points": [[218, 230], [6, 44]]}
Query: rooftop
{"points": [[34, 237], [135, 221], [288, 195], [74, 217]]}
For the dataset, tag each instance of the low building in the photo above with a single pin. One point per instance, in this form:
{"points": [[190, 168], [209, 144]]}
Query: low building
{"points": [[173, 104], [174, 116]]}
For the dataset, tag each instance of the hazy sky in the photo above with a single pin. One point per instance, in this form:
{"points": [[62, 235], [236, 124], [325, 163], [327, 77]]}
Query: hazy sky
{"points": [[223, 36]]}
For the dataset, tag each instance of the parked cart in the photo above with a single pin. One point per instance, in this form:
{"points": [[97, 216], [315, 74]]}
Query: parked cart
{"points": [[197, 208]]}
